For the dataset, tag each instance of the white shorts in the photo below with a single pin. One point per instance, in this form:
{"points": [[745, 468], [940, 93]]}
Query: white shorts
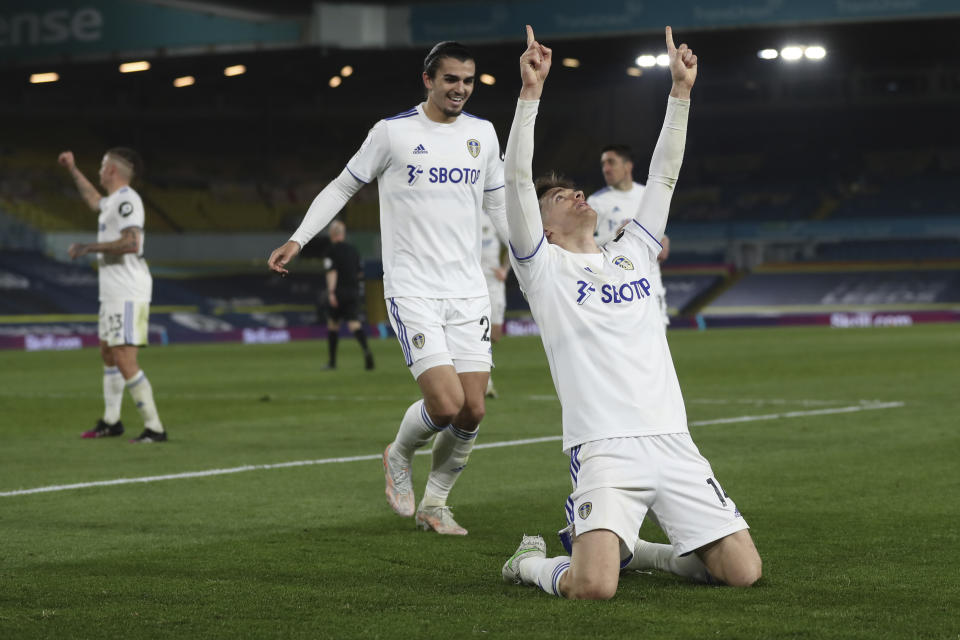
{"points": [[124, 322], [498, 300], [616, 481], [443, 331]]}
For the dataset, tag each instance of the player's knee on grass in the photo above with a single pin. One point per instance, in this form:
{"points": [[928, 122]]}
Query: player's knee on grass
{"points": [[733, 560], [589, 585]]}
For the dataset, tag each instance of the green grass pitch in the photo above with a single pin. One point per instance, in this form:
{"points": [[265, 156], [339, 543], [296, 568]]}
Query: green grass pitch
{"points": [[856, 514]]}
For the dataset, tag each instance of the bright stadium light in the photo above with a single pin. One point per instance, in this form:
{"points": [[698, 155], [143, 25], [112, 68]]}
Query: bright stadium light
{"points": [[646, 60], [663, 60], [816, 52], [133, 67], [347, 71], [335, 81], [183, 81], [235, 70], [791, 53], [487, 79], [634, 72], [571, 63], [39, 78], [767, 54]]}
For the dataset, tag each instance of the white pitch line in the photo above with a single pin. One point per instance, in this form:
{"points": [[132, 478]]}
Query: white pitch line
{"points": [[490, 445]]}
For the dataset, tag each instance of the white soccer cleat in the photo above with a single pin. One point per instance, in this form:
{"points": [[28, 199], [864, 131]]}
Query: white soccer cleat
{"points": [[530, 547], [491, 391], [399, 486], [440, 519]]}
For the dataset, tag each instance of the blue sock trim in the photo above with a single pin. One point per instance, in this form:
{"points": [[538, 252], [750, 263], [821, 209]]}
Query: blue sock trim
{"points": [[558, 571], [427, 421], [109, 371], [463, 435], [137, 379]]}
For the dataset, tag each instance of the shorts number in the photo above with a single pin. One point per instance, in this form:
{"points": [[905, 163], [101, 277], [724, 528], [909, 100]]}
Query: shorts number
{"points": [[485, 323], [115, 323], [721, 494]]}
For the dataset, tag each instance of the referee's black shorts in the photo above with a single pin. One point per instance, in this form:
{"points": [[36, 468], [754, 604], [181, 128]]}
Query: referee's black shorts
{"points": [[348, 308]]}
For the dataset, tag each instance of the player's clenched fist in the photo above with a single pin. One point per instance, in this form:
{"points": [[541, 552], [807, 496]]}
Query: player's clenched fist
{"points": [[66, 159]]}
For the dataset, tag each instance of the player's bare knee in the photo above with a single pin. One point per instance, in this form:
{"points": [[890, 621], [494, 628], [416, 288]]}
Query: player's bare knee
{"points": [[745, 574], [591, 589]]}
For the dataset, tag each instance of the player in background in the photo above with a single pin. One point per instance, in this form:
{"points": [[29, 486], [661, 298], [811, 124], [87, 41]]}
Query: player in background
{"points": [[624, 421], [495, 269], [436, 167], [615, 205], [125, 289], [344, 272]]}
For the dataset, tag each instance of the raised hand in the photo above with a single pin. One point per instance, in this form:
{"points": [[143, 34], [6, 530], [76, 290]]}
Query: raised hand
{"points": [[66, 159], [683, 67], [534, 67]]}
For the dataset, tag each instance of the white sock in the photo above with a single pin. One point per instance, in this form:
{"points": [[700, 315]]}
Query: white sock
{"points": [[649, 555], [112, 394], [451, 450], [142, 394], [544, 573], [416, 429]]}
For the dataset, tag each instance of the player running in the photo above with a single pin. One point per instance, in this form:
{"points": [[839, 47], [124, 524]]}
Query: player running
{"points": [[436, 166], [624, 422], [125, 289]]}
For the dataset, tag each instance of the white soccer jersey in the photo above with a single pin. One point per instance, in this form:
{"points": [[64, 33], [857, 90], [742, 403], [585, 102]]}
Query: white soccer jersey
{"points": [[603, 335], [432, 178], [614, 207], [122, 276], [489, 249]]}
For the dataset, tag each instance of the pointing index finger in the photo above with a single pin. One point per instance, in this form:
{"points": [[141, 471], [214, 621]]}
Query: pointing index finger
{"points": [[530, 37], [669, 35]]}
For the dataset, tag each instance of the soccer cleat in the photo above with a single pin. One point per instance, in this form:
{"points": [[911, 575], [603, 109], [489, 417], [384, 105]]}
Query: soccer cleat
{"points": [[491, 392], [399, 486], [151, 436], [440, 519], [530, 547], [104, 430], [368, 362]]}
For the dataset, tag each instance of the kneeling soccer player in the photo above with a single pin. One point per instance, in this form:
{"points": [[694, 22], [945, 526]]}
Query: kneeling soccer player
{"points": [[624, 422]]}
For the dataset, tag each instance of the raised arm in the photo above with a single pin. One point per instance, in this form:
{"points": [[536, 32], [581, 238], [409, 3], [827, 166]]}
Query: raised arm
{"points": [[668, 154], [87, 191], [525, 227]]}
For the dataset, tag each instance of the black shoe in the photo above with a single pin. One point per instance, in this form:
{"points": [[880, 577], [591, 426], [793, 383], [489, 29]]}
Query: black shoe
{"points": [[368, 362], [151, 436], [104, 430]]}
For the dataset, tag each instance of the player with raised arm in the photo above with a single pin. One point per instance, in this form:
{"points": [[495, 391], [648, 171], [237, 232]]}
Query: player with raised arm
{"points": [[436, 167], [125, 289], [624, 422]]}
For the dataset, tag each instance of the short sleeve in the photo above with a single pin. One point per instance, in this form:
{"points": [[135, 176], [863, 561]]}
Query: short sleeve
{"points": [[373, 156], [129, 211]]}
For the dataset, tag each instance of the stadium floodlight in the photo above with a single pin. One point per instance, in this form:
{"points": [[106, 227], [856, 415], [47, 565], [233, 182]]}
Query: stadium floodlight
{"points": [[634, 72], [346, 71], [133, 67], [571, 63], [39, 78], [487, 79], [767, 54], [816, 52], [235, 70], [335, 81], [791, 53], [663, 60], [646, 60], [183, 81]]}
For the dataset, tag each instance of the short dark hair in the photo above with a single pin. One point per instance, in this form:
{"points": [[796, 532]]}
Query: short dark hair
{"points": [[552, 180], [622, 150], [441, 50], [129, 156]]}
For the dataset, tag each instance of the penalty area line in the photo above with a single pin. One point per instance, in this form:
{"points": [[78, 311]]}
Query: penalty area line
{"points": [[489, 445]]}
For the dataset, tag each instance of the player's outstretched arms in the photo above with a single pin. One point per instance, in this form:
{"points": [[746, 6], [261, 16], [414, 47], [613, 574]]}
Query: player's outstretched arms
{"points": [[668, 154], [87, 191], [282, 255], [523, 211]]}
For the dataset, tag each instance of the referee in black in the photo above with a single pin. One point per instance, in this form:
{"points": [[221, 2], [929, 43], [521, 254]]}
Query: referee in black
{"points": [[343, 293]]}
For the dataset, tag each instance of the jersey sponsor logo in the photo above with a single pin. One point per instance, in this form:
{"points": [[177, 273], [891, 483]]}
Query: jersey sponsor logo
{"points": [[626, 292], [413, 172], [473, 146], [419, 340], [419, 150], [453, 175], [623, 262], [584, 291], [584, 510], [126, 208]]}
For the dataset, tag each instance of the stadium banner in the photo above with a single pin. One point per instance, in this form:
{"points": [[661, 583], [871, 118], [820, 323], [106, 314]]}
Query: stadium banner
{"points": [[32, 30], [497, 21]]}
